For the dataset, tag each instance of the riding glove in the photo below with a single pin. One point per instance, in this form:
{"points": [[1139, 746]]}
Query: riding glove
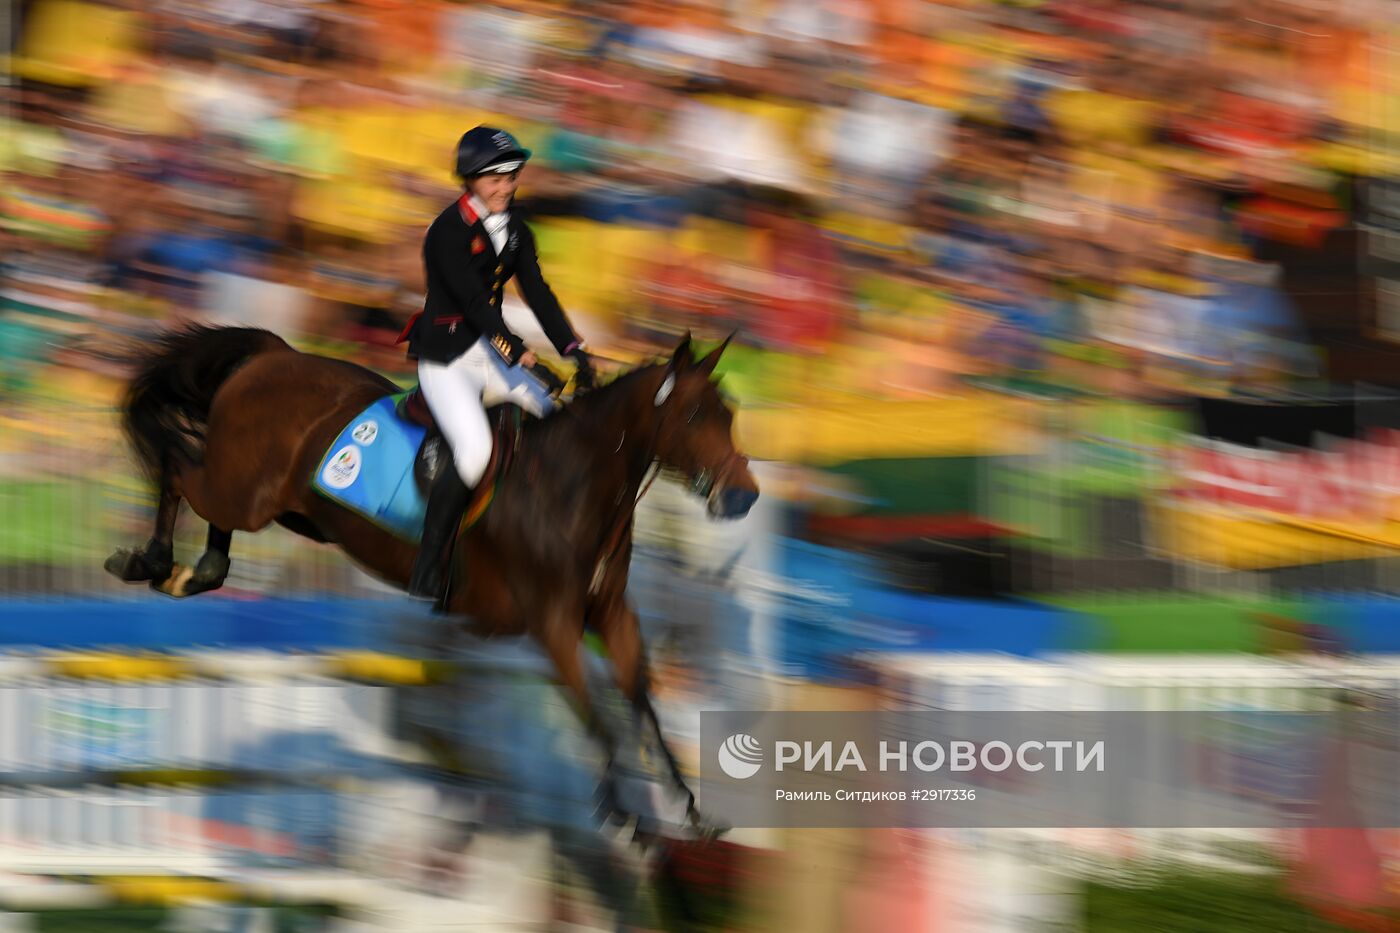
{"points": [[584, 376], [544, 374]]}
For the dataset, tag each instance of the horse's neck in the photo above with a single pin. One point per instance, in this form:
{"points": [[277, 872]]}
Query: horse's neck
{"points": [[611, 440], [589, 456], [625, 433]]}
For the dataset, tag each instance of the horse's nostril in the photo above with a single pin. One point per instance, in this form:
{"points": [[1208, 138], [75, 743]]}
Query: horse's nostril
{"points": [[737, 502]]}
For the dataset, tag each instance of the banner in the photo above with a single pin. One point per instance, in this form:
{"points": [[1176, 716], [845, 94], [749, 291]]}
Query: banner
{"points": [[981, 425], [1252, 508]]}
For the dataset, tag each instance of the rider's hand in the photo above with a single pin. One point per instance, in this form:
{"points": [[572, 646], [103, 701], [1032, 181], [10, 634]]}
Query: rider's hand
{"points": [[546, 376], [529, 359], [585, 377]]}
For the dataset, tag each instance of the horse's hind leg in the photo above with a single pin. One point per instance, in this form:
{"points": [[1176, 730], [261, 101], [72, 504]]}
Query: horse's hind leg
{"points": [[208, 574], [155, 561]]}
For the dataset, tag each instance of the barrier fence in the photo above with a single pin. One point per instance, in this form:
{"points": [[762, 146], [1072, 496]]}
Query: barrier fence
{"points": [[287, 778], [289, 772]]}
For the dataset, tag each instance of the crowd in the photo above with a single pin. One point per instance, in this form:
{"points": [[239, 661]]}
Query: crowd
{"points": [[898, 195]]}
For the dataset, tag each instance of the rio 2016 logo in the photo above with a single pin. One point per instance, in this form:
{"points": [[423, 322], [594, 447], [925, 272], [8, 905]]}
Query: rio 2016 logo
{"points": [[343, 469]]}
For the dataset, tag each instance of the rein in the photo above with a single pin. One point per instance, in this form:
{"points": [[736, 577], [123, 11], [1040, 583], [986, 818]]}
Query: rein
{"points": [[623, 518], [701, 483], [619, 527]]}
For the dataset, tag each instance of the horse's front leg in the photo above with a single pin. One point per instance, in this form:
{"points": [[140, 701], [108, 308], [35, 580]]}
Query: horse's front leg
{"points": [[561, 635], [620, 629]]}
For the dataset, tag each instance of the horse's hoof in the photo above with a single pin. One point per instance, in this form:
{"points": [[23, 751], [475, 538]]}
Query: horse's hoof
{"points": [[209, 574], [176, 585], [705, 829], [133, 566], [610, 814], [442, 754], [126, 565]]}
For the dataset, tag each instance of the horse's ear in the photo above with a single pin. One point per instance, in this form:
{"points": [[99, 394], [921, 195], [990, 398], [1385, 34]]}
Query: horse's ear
{"points": [[711, 360], [681, 358]]}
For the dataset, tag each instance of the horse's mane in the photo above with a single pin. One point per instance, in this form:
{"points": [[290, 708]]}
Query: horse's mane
{"points": [[554, 449], [598, 404]]}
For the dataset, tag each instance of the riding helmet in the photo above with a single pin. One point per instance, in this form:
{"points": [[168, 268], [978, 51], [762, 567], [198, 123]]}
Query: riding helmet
{"points": [[485, 149]]}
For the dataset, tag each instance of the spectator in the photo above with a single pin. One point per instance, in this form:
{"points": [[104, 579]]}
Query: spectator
{"points": [[1020, 166]]}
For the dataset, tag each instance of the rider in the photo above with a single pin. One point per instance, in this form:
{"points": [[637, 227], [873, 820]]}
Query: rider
{"points": [[467, 356]]}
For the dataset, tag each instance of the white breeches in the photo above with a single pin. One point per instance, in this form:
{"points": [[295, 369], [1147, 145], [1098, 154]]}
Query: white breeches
{"points": [[459, 392]]}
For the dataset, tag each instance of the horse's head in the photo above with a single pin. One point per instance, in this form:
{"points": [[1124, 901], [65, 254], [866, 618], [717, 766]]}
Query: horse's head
{"points": [[695, 437]]}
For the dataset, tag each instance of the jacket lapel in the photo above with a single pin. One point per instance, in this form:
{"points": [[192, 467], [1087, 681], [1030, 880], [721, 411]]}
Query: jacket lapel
{"points": [[512, 241], [480, 239]]}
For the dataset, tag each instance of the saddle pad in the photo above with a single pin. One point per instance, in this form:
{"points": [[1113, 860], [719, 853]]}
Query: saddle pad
{"points": [[369, 470]]}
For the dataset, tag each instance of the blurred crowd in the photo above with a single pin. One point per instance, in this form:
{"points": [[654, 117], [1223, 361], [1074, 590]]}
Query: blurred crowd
{"points": [[888, 199], [894, 196]]}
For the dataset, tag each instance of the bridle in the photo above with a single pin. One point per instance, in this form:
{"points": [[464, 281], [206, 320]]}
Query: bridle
{"points": [[701, 483]]}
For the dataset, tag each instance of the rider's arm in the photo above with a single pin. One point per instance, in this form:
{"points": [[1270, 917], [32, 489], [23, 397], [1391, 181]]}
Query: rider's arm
{"points": [[540, 297], [444, 250]]}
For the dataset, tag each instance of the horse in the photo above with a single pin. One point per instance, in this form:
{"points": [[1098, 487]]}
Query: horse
{"points": [[234, 421]]}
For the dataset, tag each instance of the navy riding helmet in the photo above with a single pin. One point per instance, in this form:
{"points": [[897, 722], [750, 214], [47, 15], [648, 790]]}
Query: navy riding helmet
{"points": [[485, 149]]}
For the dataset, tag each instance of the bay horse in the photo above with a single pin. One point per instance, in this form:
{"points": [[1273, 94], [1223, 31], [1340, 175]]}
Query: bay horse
{"points": [[235, 421]]}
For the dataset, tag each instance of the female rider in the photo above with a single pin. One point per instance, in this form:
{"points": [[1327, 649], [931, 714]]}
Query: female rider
{"points": [[467, 356]]}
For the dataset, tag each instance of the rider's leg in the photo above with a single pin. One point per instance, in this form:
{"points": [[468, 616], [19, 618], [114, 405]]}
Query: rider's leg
{"points": [[453, 393]]}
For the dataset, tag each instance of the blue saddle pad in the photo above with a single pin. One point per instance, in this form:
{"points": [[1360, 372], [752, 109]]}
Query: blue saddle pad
{"points": [[369, 470]]}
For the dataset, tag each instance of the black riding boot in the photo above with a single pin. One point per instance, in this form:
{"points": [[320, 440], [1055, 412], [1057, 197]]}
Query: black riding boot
{"points": [[446, 502]]}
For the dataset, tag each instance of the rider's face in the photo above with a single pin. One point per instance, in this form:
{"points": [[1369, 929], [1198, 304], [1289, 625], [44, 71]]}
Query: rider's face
{"points": [[496, 190]]}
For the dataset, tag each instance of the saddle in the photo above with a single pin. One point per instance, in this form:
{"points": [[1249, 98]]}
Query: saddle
{"points": [[506, 422], [413, 407]]}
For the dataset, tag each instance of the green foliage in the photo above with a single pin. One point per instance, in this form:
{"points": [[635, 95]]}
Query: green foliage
{"points": [[1186, 900]]}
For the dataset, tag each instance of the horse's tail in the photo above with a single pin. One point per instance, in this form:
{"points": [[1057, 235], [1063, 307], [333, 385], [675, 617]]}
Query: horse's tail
{"points": [[167, 402]]}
